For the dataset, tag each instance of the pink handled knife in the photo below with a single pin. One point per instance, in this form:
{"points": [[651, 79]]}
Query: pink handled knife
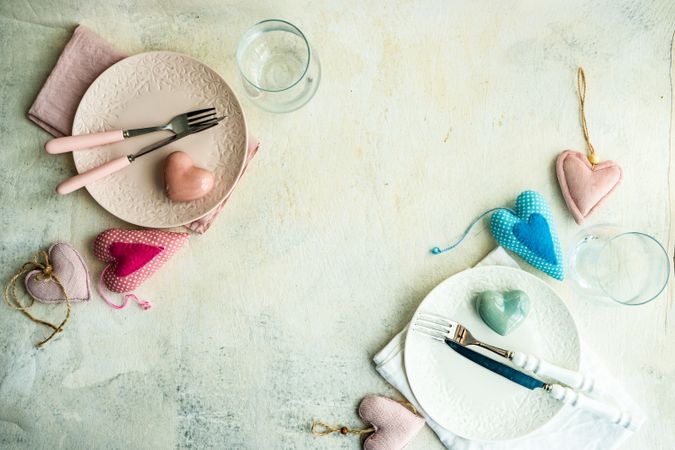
{"points": [[177, 125], [91, 175]]}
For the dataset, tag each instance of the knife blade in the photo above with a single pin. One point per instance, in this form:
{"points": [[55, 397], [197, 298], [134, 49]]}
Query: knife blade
{"points": [[496, 367], [616, 415]]}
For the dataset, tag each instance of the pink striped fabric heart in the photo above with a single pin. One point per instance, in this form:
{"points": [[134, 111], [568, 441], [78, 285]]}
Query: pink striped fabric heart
{"points": [[584, 186], [395, 425]]}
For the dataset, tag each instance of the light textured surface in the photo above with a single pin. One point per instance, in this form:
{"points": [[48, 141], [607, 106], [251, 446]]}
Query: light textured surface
{"points": [[428, 113]]}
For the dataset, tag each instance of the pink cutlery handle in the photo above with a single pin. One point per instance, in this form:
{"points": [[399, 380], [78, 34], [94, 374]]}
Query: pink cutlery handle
{"points": [[71, 143], [83, 179]]}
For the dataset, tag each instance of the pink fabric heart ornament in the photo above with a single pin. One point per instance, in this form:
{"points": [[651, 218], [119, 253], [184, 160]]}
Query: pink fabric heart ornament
{"points": [[133, 256], [395, 425], [585, 186], [71, 270]]}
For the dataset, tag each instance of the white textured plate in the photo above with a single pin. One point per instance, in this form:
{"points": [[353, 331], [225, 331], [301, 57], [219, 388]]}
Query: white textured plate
{"points": [[149, 89], [468, 399]]}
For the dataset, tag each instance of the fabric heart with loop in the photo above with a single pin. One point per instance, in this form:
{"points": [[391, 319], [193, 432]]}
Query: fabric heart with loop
{"points": [[527, 230], [585, 182], [132, 256], [57, 276], [394, 424]]}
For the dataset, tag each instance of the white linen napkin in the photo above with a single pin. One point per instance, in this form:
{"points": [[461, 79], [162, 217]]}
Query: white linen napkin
{"points": [[572, 428]]}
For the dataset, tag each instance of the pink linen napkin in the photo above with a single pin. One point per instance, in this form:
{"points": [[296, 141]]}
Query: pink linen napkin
{"points": [[83, 59]]}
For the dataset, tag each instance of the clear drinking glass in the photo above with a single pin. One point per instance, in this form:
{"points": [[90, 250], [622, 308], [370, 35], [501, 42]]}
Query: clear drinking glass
{"points": [[278, 67], [628, 267]]}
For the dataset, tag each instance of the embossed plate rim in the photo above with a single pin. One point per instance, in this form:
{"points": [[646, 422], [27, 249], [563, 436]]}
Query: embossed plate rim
{"points": [[429, 364], [224, 92]]}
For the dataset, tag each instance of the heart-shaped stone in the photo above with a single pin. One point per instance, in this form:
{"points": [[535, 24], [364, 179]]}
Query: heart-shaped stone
{"points": [[530, 233], [69, 267], [395, 425], [503, 312], [183, 181], [584, 186], [134, 255]]}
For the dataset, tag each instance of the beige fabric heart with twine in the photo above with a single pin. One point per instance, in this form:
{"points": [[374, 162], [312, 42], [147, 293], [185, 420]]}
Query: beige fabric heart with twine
{"points": [[394, 424], [69, 267], [585, 182]]}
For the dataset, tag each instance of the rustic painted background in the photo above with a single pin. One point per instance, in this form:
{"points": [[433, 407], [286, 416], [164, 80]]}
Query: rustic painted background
{"points": [[428, 113]]}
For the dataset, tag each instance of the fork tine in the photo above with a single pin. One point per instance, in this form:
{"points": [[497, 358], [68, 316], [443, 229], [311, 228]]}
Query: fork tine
{"points": [[433, 334], [203, 123], [435, 317], [426, 328], [199, 111], [199, 123], [432, 325], [202, 128], [438, 316], [201, 117]]}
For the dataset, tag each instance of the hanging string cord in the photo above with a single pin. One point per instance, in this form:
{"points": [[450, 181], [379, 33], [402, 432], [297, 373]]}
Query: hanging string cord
{"points": [[438, 251], [46, 274], [323, 429], [125, 299], [581, 90], [320, 428]]}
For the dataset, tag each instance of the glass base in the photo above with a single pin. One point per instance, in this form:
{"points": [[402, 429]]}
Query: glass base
{"points": [[582, 259], [617, 266], [295, 98]]}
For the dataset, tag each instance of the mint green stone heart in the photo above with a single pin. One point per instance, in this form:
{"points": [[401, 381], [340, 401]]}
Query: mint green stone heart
{"points": [[503, 312]]}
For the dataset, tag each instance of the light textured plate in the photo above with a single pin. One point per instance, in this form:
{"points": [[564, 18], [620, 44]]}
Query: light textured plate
{"points": [[146, 90], [468, 399]]}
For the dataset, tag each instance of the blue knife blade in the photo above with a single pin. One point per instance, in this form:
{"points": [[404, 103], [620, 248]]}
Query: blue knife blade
{"points": [[500, 369]]}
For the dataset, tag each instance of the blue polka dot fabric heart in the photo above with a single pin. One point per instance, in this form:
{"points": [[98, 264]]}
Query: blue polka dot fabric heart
{"points": [[530, 233]]}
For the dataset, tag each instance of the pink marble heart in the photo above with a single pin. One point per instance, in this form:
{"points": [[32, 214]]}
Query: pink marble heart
{"points": [[183, 181], [69, 267], [584, 186], [395, 425]]}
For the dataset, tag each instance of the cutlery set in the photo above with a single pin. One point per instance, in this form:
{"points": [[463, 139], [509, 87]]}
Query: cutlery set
{"points": [[571, 387], [181, 126]]}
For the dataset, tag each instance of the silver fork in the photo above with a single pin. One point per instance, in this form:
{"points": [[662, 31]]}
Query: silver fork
{"points": [[123, 161], [179, 124], [441, 328]]}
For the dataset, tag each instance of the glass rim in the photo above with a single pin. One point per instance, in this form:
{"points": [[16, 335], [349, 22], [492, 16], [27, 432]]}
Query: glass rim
{"points": [[667, 260], [250, 31]]}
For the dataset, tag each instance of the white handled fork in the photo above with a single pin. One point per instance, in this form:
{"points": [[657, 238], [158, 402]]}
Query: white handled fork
{"points": [[440, 328]]}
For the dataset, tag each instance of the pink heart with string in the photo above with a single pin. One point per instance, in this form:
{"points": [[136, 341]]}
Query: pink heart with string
{"points": [[395, 425], [135, 255], [585, 186]]}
